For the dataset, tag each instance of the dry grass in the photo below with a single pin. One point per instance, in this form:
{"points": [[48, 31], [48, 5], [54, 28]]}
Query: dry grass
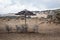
{"points": [[46, 31], [43, 26]]}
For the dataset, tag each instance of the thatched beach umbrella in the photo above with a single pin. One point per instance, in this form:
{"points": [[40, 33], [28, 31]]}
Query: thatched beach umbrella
{"points": [[25, 13]]}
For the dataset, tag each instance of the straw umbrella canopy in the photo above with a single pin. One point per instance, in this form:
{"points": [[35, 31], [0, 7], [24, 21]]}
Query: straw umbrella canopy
{"points": [[25, 12]]}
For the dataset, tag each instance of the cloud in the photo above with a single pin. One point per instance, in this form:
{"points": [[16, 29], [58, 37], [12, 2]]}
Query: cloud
{"points": [[13, 6], [9, 8], [46, 1], [5, 2], [18, 7]]}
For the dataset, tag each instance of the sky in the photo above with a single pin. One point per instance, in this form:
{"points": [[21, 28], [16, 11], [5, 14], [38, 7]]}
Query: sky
{"points": [[14, 6]]}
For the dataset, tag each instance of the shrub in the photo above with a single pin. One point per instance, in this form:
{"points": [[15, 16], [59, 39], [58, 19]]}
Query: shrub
{"points": [[35, 28], [24, 28], [8, 29], [18, 28]]}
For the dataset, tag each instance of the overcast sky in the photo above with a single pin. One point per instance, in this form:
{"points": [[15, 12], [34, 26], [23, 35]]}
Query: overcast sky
{"points": [[14, 6]]}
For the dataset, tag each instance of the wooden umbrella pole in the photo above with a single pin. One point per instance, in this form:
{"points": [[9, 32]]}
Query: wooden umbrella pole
{"points": [[25, 19]]}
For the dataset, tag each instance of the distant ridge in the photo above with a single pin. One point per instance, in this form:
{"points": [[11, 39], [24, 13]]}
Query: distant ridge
{"points": [[35, 12]]}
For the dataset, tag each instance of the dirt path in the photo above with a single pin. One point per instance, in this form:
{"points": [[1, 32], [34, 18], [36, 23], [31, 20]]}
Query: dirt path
{"points": [[29, 36]]}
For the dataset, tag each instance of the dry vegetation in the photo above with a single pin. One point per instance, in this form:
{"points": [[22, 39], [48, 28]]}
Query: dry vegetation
{"points": [[43, 26], [46, 30]]}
